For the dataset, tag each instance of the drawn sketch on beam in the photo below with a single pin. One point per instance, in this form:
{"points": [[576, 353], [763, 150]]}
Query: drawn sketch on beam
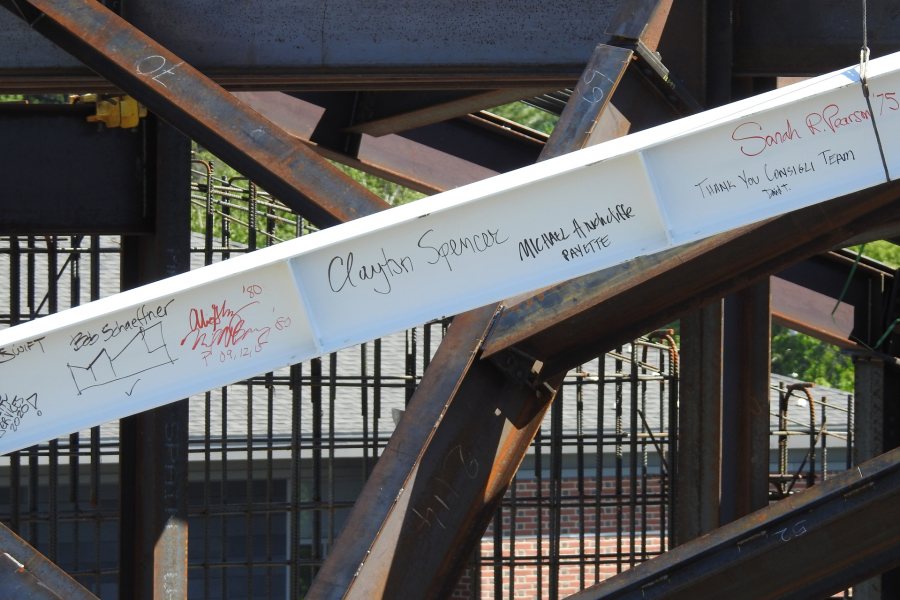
{"points": [[146, 350]]}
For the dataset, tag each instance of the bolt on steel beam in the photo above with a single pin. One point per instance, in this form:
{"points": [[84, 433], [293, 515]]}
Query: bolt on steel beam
{"points": [[809, 545], [200, 108]]}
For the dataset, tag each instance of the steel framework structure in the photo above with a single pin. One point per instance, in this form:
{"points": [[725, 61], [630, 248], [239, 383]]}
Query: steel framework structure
{"points": [[372, 89]]}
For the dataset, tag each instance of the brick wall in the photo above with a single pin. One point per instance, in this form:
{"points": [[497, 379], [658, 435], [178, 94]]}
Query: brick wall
{"points": [[611, 507], [523, 561], [526, 579]]}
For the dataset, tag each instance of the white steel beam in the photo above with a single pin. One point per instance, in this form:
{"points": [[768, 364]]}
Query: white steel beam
{"points": [[449, 253]]}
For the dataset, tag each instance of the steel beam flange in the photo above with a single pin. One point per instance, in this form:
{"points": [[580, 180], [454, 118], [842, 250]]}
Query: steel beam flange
{"points": [[809, 545], [26, 574]]}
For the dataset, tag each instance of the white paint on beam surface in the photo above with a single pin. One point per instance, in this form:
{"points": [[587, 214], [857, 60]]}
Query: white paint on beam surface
{"points": [[449, 253]]}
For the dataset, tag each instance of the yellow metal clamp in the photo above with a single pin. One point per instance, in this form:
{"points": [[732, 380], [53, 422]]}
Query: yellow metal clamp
{"points": [[115, 111]]}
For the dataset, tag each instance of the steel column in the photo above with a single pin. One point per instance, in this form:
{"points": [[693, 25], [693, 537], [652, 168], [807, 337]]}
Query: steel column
{"points": [[698, 477], [154, 530], [876, 388], [719, 52], [698, 462], [789, 550], [868, 434], [201, 109], [460, 442], [745, 402]]}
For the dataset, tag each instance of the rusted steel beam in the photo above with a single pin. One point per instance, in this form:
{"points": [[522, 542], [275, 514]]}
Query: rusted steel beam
{"points": [[344, 44], [287, 44], [591, 98], [387, 119], [809, 545], [649, 93], [201, 109], [484, 139], [653, 290], [459, 444], [777, 38], [433, 158], [439, 481], [640, 20], [810, 312], [828, 274], [391, 157], [26, 574], [430, 159]]}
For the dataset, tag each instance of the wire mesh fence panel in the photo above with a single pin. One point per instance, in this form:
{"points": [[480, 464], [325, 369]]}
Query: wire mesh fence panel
{"points": [[61, 496]]}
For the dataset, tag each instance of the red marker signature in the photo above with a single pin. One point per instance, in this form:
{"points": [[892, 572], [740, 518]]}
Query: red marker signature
{"points": [[223, 327]]}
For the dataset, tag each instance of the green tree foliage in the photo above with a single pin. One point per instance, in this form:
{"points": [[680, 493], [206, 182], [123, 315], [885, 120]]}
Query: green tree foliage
{"points": [[35, 98], [808, 359], [392, 193], [882, 251], [527, 115]]}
